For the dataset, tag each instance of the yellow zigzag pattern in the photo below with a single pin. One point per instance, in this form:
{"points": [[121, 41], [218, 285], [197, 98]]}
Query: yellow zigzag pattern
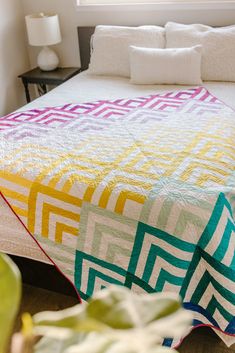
{"points": [[39, 190], [48, 201], [10, 188]]}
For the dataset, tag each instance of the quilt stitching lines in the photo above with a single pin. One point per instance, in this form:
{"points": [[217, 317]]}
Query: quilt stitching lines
{"points": [[137, 192]]}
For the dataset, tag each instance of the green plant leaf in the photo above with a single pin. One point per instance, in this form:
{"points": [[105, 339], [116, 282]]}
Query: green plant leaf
{"points": [[119, 308], [115, 320], [93, 343], [157, 305], [10, 294], [64, 318], [52, 345], [113, 307], [174, 325]]}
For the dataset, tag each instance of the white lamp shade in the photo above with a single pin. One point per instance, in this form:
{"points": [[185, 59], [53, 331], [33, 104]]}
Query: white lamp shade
{"points": [[43, 29]]}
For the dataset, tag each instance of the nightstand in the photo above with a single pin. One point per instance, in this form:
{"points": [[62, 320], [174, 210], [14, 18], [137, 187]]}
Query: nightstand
{"points": [[44, 78]]}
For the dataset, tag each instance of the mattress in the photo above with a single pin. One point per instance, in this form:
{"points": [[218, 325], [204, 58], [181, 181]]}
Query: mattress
{"points": [[86, 88]]}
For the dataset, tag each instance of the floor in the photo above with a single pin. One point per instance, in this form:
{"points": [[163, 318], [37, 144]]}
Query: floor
{"points": [[201, 340]]}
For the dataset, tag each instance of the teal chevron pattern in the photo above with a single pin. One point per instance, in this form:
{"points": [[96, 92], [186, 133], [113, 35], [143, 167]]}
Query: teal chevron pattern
{"points": [[189, 206], [165, 258], [146, 258], [93, 274], [106, 235], [222, 249]]}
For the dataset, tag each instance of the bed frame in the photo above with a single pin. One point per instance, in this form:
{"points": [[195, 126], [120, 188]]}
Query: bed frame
{"points": [[84, 39]]}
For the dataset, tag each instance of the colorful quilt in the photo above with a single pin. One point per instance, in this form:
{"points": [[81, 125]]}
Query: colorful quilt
{"points": [[138, 192]]}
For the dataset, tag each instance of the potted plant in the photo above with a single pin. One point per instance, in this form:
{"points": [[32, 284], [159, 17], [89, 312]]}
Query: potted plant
{"points": [[115, 320]]}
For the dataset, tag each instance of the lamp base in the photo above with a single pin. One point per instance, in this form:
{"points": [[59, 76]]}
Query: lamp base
{"points": [[47, 59]]}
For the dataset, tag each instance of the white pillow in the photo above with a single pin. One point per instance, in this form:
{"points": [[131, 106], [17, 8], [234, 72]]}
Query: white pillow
{"points": [[110, 55], [166, 66], [218, 47]]}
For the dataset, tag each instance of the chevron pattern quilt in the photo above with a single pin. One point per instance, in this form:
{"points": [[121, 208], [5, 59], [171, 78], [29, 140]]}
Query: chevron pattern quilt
{"points": [[137, 192]]}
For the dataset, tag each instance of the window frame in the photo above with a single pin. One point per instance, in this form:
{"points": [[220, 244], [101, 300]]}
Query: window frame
{"points": [[161, 5]]}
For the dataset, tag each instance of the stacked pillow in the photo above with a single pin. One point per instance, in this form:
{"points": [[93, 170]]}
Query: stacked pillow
{"points": [[176, 54], [110, 55], [218, 47], [166, 66]]}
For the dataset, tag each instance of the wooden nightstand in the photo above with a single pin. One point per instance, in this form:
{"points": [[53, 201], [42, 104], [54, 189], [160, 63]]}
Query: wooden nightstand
{"points": [[44, 78]]}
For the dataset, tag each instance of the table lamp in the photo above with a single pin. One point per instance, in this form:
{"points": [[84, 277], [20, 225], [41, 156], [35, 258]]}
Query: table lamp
{"points": [[44, 30]]}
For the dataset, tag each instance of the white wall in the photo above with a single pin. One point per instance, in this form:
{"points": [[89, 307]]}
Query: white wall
{"points": [[13, 55], [70, 18], [68, 50]]}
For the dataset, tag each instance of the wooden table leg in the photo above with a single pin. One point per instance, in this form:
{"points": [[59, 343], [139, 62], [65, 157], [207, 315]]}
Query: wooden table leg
{"points": [[42, 89], [25, 83]]}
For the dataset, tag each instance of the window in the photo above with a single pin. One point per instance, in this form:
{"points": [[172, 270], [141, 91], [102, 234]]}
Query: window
{"points": [[132, 2]]}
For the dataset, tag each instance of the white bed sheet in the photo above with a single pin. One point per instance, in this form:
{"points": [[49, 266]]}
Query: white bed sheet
{"points": [[85, 88]]}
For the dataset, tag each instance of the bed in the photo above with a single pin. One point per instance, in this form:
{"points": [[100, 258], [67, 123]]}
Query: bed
{"points": [[123, 234]]}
